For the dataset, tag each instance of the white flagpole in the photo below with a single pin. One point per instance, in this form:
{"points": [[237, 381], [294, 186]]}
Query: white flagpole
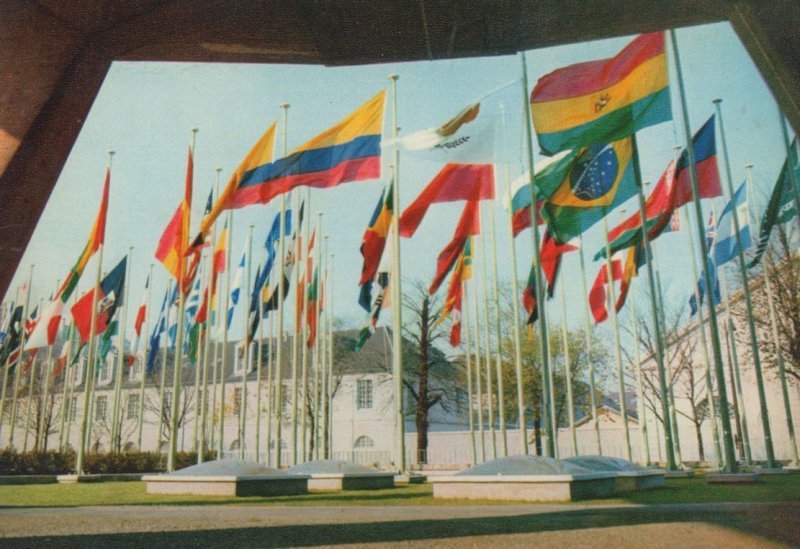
{"points": [[589, 335], [43, 425], [296, 255], [318, 255], [224, 319], [259, 394], [498, 342], [246, 346], [140, 413], [397, 313], [116, 427], [304, 342], [468, 358], [475, 332], [329, 338], [31, 382], [176, 374], [645, 457], [163, 384], [18, 370], [487, 345], [612, 311], [568, 373], [281, 283], [270, 388], [198, 367]]}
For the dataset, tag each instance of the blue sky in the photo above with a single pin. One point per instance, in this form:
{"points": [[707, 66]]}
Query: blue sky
{"points": [[144, 111]]}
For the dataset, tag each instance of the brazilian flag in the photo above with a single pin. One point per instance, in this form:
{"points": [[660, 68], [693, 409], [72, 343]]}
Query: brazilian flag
{"points": [[599, 179]]}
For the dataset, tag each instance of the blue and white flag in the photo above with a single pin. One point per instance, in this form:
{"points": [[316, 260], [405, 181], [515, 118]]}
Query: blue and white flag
{"points": [[236, 284], [155, 337], [725, 248]]}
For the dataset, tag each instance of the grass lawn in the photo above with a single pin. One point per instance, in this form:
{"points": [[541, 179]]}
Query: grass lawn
{"points": [[772, 489]]}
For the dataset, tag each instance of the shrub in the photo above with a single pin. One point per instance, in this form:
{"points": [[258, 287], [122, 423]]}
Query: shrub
{"points": [[55, 462]]}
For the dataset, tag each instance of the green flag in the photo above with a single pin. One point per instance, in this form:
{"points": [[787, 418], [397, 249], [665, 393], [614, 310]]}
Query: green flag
{"points": [[781, 207]]}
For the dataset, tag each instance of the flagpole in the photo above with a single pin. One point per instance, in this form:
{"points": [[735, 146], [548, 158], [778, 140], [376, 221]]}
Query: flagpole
{"points": [[589, 335], [568, 373], [317, 362], [201, 446], [612, 311], [246, 346], [498, 343], [551, 396], [701, 330], [730, 459], [329, 424], [140, 413], [65, 392], [487, 344], [199, 356], [17, 371], [215, 342], [478, 362], [321, 349], [42, 438], [304, 341], [31, 381], [397, 315], [176, 374], [515, 325], [771, 463], [736, 379], [281, 283], [540, 305], [224, 319], [676, 436], [116, 427], [163, 384], [8, 362], [468, 358], [645, 457], [296, 253], [270, 389], [776, 342], [259, 393]]}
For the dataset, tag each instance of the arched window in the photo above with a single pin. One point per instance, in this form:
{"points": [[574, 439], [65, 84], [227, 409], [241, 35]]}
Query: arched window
{"points": [[363, 442]]}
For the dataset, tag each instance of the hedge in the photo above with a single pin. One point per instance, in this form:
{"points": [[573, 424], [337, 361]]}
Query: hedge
{"points": [[56, 462]]}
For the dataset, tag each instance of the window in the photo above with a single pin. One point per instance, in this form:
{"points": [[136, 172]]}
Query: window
{"points": [[72, 407], [363, 394], [100, 412], [133, 407], [237, 400], [363, 442]]}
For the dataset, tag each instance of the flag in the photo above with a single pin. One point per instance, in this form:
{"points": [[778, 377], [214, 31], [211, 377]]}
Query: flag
{"points": [[598, 102], [221, 251], [47, 329], [105, 341], [599, 179], [455, 294], [468, 225], [462, 137], [348, 151], [549, 174], [141, 314], [550, 257], [311, 312], [236, 286], [471, 182], [13, 336], [597, 294], [781, 206], [725, 248], [672, 191], [380, 302], [109, 297], [173, 245], [529, 299], [158, 329], [374, 240], [701, 288]]}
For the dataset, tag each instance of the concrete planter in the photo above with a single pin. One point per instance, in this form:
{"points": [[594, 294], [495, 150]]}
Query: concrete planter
{"points": [[335, 482], [628, 481], [526, 487], [240, 486]]}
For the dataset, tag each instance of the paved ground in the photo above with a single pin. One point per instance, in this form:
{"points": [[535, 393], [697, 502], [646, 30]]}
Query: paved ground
{"points": [[691, 525]]}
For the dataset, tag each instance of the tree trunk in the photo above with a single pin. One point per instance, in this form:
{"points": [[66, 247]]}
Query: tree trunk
{"points": [[537, 434], [697, 424], [422, 391]]}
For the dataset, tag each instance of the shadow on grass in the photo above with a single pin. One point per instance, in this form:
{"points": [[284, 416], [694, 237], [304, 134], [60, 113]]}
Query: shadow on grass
{"points": [[775, 522]]}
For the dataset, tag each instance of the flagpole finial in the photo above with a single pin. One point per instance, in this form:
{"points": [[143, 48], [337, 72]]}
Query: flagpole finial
{"points": [[748, 166], [716, 101], [394, 76], [284, 105]]}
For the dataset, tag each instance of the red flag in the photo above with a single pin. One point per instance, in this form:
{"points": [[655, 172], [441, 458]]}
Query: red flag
{"points": [[173, 245], [468, 225], [550, 256], [455, 182], [597, 295]]}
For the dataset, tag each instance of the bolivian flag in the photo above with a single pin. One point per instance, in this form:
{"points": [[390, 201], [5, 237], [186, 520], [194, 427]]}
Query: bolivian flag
{"points": [[602, 101]]}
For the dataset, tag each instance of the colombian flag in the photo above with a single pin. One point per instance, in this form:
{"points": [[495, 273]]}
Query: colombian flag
{"points": [[598, 102]]}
